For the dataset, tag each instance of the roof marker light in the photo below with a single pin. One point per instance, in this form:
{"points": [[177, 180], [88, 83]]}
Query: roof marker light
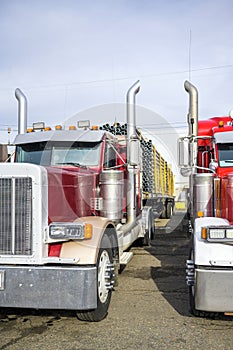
{"points": [[72, 127], [58, 127]]}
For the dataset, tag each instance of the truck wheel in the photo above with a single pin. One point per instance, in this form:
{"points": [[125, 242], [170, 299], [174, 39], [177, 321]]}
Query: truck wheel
{"points": [[105, 283], [169, 210], [150, 232], [193, 310]]}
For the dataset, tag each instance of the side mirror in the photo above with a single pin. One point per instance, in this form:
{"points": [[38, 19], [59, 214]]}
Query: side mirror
{"points": [[134, 152], [3, 153], [183, 152], [213, 165], [184, 157]]}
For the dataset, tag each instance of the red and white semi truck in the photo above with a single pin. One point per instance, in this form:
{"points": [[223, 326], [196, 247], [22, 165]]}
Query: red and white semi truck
{"points": [[209, 164], [71, 204]]}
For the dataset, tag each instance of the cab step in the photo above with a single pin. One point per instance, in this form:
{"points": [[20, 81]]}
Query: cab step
{"points": [[125, 258]]}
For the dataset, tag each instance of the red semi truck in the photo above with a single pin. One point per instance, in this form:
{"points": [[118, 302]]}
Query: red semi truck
{"points": [[210, 166], [71, 205]]}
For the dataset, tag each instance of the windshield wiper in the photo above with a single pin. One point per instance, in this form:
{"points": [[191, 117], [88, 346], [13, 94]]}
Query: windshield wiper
{"points": [[228, 161], [74, 164]]}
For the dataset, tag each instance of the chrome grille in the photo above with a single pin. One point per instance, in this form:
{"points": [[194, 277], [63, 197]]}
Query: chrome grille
{"points": [[16, 216]]}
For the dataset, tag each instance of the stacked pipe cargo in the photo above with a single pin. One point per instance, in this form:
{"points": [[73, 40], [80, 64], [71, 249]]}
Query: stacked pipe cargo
{"points": [[116, 128], [148, 169], [157, 178]]}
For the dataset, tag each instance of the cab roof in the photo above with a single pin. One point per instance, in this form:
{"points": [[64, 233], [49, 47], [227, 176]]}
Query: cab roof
{"points": [[63, 135]]}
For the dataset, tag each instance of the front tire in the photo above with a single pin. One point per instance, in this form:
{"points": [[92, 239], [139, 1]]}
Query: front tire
{"points": [[105, 282], [193, 309]]}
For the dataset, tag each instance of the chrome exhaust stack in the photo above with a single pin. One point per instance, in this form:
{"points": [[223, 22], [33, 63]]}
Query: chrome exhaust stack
{"points": [[193, 133], [22, 111], [193, 108], [131, 110], [133, 151]]}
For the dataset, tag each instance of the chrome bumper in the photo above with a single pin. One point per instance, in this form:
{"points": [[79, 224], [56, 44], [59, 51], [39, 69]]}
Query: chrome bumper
{"points": [[214, 290], [43, 287]]}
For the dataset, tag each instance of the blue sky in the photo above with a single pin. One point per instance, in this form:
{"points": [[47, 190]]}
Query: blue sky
{"points": [[71, 55]]}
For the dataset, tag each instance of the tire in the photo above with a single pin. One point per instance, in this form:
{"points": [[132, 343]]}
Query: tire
{"points": [[104, 292], [193, 309], [150, 232], [169, 210]]}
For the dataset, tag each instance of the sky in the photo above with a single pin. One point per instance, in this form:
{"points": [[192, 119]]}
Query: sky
{"points": [[73, 56]]}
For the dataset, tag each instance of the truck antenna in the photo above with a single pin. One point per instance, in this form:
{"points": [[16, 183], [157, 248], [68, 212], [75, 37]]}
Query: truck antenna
{"points": [[190, 52]]}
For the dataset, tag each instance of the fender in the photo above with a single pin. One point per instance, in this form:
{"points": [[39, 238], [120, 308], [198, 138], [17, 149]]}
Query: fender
{"points": [[206, 252], [86, 251], [147, 215]]}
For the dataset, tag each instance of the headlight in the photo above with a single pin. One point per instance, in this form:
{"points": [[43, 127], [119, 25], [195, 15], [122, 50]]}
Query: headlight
{"points": [[56, 231], [216, 233], [67, 231], [229, 233]]}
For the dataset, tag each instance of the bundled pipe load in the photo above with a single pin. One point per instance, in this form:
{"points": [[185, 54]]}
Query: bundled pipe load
{"points": [[157, 175]]}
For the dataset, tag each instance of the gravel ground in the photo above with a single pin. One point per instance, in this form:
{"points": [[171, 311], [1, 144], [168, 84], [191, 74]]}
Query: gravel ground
{"points": [[149, 310]]}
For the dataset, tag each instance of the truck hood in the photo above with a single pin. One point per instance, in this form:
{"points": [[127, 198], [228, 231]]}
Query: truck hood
{"points": [[70, 193]]}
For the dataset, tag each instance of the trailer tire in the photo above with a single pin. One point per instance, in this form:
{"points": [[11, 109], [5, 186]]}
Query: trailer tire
{"points": [[104, 292], [169, 210]]}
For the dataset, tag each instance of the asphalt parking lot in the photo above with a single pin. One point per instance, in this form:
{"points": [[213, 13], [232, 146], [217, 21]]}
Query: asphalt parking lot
{"points": [[149, 309]]}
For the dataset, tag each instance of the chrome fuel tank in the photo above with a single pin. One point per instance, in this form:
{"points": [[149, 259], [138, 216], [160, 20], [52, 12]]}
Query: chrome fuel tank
{"points": [[229, 197], [203, 194], [111, 192]]}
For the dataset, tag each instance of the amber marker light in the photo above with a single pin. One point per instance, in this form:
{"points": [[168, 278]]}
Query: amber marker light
{"points": [[58, 127], [88, 230], [200, 214], [204, 233], [30, 129], [95, 127], [72, 127], [47, 128], [221, 124]]}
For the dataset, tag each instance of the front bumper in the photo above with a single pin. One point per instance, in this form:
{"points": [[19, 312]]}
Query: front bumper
{"points": [[214, 290], [48, 287]]}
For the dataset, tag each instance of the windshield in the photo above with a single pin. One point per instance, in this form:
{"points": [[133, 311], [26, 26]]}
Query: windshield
{"points": [[225, 154], [59, 153]]}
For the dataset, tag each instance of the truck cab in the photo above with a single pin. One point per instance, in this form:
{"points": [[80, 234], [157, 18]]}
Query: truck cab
{"points": [[70, 207], [209, 166]]}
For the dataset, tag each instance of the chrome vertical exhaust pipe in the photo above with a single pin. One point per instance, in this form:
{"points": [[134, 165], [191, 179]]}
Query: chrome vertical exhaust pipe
{"points": [[131, 136], [131, 109], [193, 108], [22, 111]]}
